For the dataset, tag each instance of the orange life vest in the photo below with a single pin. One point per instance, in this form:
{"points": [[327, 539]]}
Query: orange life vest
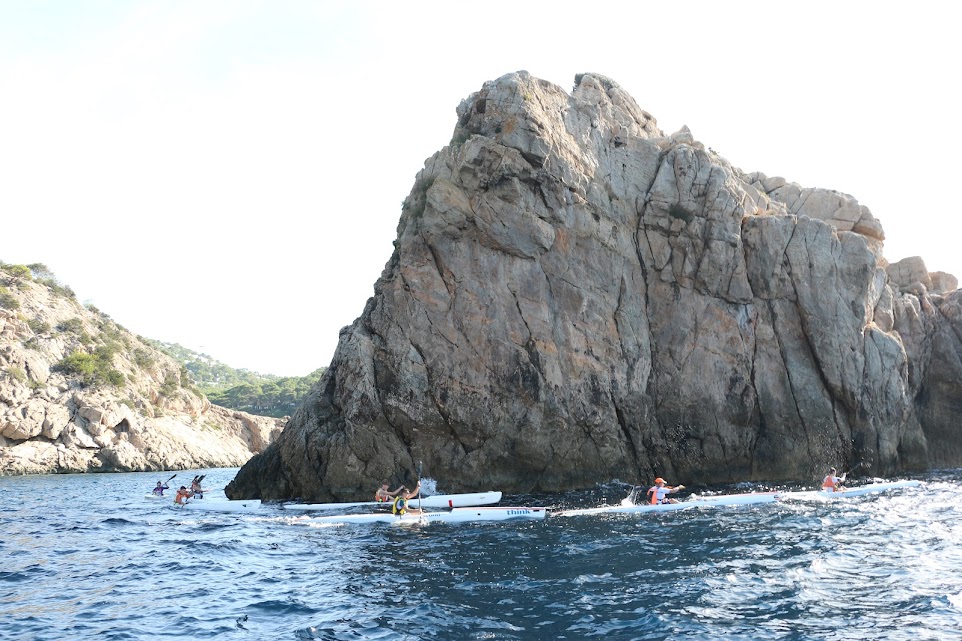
{"points": [[653, 491]]}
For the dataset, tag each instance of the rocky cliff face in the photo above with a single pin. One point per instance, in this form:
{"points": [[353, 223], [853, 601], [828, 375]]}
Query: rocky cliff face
{"points": [[78, 393], [576, 296]]}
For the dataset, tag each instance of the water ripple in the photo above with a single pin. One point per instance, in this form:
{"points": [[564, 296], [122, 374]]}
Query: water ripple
{"points": [[883, 567]]}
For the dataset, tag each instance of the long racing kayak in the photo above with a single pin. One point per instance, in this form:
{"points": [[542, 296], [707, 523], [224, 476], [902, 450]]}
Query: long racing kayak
{"points": [[219, 505], [848, 492], [456, 515], [436, 501], [694, 502]]}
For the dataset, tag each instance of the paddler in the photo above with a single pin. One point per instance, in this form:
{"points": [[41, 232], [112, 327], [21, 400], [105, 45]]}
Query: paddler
{"points": [[401, 502], [196, 490], [159, 488], [833, 483], [182, 495], [659, 492], [382, 495]]}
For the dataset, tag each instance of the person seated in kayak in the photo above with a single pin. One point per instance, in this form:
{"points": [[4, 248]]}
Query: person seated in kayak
{"points": [[659, 492], [159, 488], [382, 495], [833, 483], [182, 495], [401, 502], [195, 488]]}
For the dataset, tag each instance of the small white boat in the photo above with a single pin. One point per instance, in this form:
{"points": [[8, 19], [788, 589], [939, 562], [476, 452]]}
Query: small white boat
{"points": [[695, 502], [456, 515], [849, 492], [218, 505], [433, 502]]}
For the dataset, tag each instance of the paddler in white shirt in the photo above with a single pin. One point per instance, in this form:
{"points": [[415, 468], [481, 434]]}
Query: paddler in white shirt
{"points": [[659, 492], [833, 483]]}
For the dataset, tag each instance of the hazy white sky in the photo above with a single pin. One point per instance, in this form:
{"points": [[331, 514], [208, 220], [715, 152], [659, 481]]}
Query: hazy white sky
{"points": [[228, 175]]}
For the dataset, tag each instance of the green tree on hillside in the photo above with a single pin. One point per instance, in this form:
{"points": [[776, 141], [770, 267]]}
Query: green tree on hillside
{"points": [[241, 389], [268, 398]]}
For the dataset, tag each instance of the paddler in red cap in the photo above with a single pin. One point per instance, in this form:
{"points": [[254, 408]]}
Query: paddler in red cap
{"points": [[659, 492]]}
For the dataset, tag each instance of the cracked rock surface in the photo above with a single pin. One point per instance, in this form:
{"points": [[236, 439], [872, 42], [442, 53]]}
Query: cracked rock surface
{"points": [[576, 296]]}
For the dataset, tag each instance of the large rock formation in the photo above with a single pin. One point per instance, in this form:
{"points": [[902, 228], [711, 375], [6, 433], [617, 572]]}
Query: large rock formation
{"points": [[79, 393], [575, 296]]}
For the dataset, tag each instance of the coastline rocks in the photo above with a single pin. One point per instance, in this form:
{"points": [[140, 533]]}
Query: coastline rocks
{"points": [[576, 297], [78, 393]]}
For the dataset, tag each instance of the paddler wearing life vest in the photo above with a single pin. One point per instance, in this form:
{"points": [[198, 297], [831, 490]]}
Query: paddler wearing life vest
{"points": [[195, 488], [833, 483], [658, 493], [401, 502], [182, 495], [382, 495]]}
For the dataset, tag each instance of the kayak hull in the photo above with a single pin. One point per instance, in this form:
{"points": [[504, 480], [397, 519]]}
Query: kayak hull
{"points": [[851, 492], [736, 499], [749, 498], [219, 505], [433, 502], [456, 515], [694, 502]]}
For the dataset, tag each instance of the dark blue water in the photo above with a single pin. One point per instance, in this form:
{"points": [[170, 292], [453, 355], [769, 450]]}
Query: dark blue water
{"points": [[86, 556]]}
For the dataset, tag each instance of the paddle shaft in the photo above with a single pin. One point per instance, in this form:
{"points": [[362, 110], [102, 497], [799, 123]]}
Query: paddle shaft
{"points": [[860, 464], [420, 464]]}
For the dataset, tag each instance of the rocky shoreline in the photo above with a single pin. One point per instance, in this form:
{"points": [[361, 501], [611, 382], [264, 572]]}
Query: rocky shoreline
{"points": [[79, 393]]}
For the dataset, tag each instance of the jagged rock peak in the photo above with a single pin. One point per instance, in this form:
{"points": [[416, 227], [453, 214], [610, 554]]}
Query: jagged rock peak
{"points": [[910, 275], [575, 297]]}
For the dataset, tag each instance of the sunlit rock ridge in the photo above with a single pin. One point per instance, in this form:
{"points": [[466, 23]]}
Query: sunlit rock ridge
{"points": [[576, 297]]}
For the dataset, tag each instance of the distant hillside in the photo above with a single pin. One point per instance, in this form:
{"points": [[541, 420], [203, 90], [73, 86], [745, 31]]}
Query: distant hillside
{"points": [[241, 389], [80, 393]]}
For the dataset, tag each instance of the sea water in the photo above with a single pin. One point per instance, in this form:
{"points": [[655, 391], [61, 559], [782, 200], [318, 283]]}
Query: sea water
{"points": [[90, 557]]}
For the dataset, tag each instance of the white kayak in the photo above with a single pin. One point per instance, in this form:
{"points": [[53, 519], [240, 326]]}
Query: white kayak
{"points": [[436, 501], [456, 515], [694, 502], [746, 498], [848, 492], [218, 505]]}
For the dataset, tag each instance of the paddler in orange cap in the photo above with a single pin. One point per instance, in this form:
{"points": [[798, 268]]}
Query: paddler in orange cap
{"points": [[659, 492]]}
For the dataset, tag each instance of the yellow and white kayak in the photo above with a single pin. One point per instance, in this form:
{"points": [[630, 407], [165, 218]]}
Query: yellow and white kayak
{"points": [[456, 515], [437, 501]]}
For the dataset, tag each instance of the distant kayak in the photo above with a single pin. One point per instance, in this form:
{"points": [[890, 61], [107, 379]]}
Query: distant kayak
{"points": [[456, 515], [436, 501], [694, 502], [849, 492], [750, 498]]}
